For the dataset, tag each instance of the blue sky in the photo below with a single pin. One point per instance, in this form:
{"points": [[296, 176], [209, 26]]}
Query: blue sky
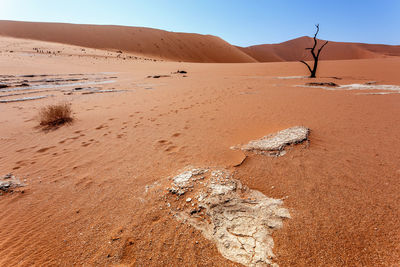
{"points": [[240, 22]]}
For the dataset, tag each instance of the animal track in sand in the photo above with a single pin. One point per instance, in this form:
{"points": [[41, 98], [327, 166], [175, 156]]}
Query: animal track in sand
{"points": [[176, 134]]}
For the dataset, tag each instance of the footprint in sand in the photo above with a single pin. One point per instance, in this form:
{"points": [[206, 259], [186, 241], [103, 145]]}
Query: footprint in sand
{"points": [[168, 146], [101, 126], [171, 149], [85, 144], [44, 149]]}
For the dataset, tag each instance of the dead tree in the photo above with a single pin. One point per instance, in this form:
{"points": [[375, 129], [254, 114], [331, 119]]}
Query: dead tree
{"points": [[314, 54]]}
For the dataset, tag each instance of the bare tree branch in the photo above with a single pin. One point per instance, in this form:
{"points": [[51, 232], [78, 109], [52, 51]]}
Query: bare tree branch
{"points": [[316, 33], [315, 42], [315, 54], [319, 50], [305, 63]]}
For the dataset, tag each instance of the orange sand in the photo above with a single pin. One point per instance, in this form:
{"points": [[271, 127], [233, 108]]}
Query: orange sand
{"points": [[86, 201]]}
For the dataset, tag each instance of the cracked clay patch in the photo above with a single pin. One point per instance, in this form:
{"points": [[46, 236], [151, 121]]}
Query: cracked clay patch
{"points": [[274, 144], [238, 220]]}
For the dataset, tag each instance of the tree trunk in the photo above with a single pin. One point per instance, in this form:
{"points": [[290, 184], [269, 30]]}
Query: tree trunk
{"points": [[314, 70]]}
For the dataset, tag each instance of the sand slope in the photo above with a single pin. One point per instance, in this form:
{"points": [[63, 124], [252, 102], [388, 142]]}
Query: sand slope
{"points": [[142, 41], [294, 50], [187, 47]]}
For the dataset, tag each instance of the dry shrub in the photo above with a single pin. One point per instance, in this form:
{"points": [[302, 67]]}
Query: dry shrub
{"points": [[55, 115]]}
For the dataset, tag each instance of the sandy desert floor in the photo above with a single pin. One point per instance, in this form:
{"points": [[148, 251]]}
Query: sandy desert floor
{"points": [[95, 189]]}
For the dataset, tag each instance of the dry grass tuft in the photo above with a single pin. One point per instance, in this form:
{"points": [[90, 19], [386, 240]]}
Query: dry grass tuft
{"points": [[55, 115]]}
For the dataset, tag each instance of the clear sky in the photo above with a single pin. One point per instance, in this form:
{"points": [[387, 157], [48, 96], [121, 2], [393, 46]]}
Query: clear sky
{"points": [[240, 22]]}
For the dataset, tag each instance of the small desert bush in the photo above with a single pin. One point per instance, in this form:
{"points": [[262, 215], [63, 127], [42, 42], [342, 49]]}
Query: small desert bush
{"points": [[55, 115]]}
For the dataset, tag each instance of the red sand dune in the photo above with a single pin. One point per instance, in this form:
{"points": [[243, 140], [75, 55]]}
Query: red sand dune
{"points": [[294, 50], [188, 47], [144, 41]]}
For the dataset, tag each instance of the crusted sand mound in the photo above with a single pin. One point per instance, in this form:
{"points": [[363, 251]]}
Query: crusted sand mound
{"points": [[8, 183], [239, 220], [274, 144]]}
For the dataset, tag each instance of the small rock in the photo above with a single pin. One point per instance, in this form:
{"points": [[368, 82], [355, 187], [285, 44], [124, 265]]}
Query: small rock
{"points": [[188, 199]]}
